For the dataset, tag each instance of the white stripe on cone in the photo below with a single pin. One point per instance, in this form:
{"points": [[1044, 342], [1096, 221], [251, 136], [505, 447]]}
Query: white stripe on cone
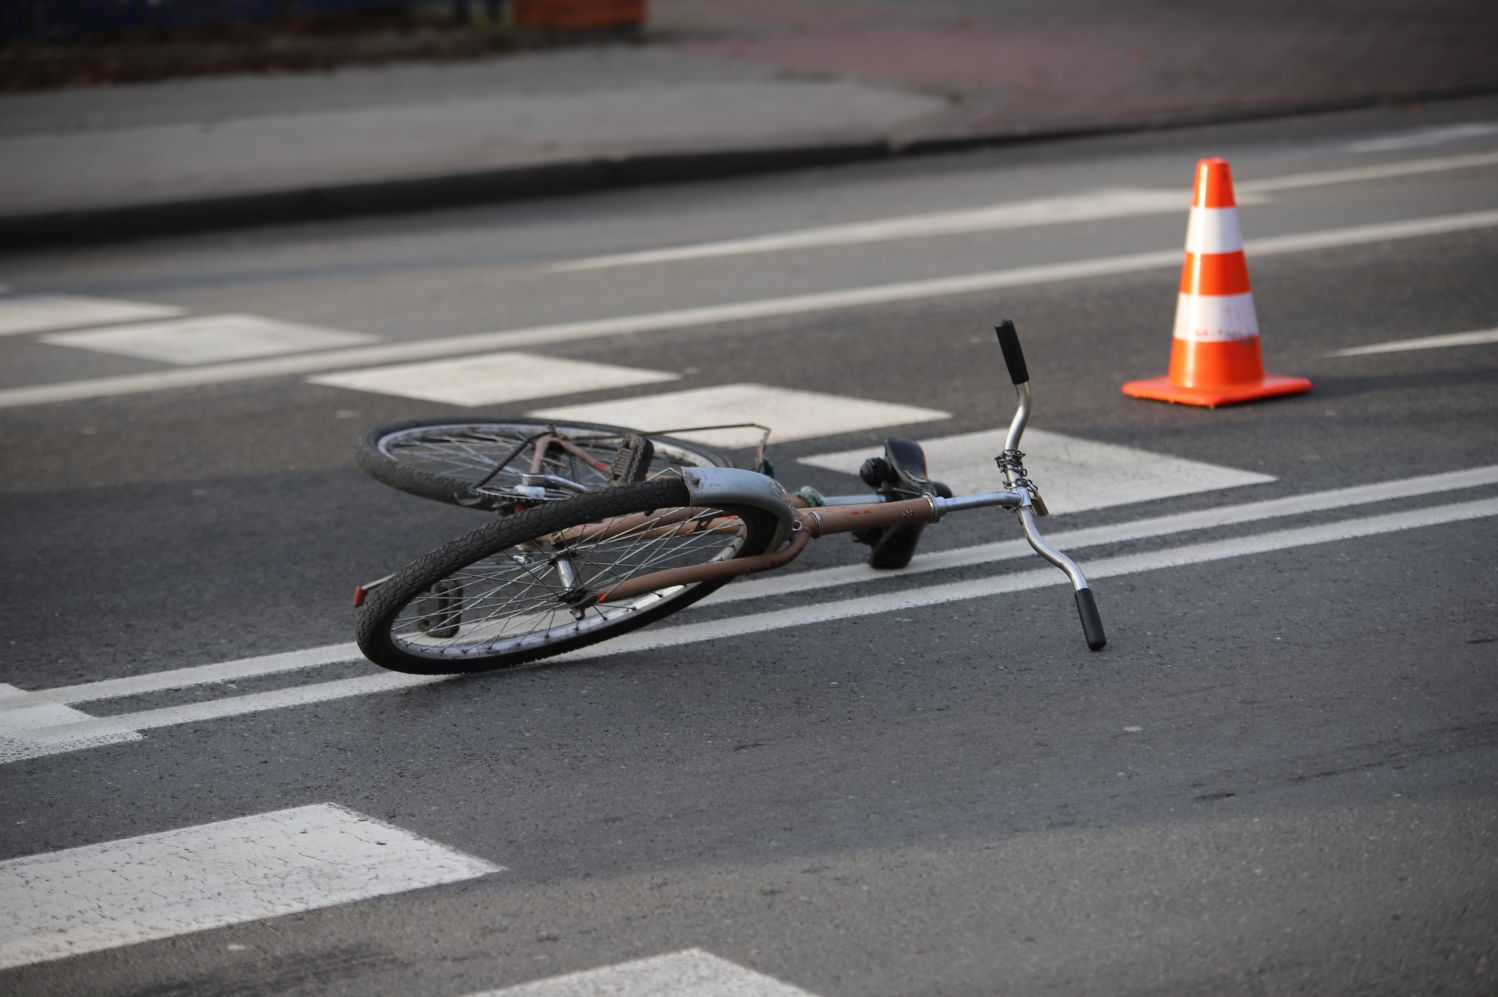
{"points": [[1216, 318], [1214, 230]]}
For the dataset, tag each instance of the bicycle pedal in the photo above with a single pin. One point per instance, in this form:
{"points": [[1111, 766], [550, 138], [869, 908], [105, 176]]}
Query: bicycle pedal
{"points": [[441, 611], [631, 461]]}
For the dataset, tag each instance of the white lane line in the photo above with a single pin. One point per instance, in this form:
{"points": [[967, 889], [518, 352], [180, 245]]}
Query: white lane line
{"points": [[1362, 174], [1093, 206], [98, 731], [1174, 557], [25, 313], [819, 580], [209, 339], [980, 218], [800, 304], [493, 378], [1477, 338], [692, 973], [1420, 137], [770, 586], [17, 725], [181, 678], [1074, 474], [821, 612], [154, 886], [795, 414]]}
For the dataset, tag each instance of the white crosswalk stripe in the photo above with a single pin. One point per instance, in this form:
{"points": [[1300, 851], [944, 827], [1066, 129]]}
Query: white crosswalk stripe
{"points": [[1073, 474], [693, 973], [492, 379], [96, 897], [31, 313], [209, 339], [792, 414]]}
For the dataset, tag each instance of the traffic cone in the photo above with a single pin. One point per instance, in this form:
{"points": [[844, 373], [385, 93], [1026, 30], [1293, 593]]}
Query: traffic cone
{"points": [[1214, 354]]}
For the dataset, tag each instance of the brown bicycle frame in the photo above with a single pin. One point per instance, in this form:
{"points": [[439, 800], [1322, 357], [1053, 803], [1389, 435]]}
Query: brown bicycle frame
{"points": [[810, 523]]}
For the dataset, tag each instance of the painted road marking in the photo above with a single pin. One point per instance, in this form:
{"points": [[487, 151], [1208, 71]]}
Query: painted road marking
{"points": [[1478, 338], [1094, 206], [1363, 174], [493, 378], [772, 585], [132, 890], [209, 339], [1420, 137], [49, 312], [693, 973], [797, 415], [18, 739], [800, 304], [819, 580], [981, 218], [1073, 474], [820, 612]]}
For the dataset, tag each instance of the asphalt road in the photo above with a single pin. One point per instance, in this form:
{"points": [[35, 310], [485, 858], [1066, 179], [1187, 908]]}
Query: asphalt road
{"points": [[1281, 776]]}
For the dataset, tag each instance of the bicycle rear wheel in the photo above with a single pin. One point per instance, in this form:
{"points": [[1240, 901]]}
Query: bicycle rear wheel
{"points": [[525, 586], [476, 463]]}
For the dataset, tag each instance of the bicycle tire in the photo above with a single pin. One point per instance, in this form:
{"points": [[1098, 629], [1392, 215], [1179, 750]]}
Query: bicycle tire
{"points": [[448, 460], [495, 597]]}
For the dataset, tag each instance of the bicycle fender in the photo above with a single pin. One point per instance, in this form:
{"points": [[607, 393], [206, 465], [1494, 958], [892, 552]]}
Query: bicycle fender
{"points": [[726, 486]]}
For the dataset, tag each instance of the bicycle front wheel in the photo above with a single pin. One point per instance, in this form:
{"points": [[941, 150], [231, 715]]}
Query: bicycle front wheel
{"points": [[526, 586], [477, 463]]}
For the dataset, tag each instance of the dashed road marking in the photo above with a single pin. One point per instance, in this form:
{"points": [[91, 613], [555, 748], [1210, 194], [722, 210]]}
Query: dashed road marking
{"points": [[96, 897], [692, 973], [209, 339], [1073, 474], [24, 313], [797, 415], [493, 378]]}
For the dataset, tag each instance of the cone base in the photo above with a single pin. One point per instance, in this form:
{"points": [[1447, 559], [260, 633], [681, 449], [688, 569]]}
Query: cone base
{"points": [[1161, 389]]}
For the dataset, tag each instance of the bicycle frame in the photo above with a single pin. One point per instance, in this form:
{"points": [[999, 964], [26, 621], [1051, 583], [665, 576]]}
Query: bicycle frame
{"points": [[798, 523]]}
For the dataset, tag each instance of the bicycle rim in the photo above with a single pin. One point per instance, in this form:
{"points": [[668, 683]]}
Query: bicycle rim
{"points": [[477, 463], [518, 589]]}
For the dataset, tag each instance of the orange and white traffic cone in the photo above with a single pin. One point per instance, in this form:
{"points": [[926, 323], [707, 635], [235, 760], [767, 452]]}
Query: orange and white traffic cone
{"points": [[1214, 355]]}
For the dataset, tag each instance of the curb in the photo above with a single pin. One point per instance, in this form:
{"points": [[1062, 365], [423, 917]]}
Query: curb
{"points": [[407, 195]]}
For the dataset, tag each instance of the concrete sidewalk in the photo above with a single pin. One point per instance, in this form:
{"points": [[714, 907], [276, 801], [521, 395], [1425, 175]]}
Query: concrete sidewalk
{"points": [[714, 88]]}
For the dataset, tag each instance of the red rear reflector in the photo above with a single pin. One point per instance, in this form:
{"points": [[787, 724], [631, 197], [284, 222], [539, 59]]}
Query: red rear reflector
{"points": [[358, 596]]}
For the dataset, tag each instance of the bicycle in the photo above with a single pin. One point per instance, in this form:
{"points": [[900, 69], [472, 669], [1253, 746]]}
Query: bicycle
{"points": [[639, 526]]}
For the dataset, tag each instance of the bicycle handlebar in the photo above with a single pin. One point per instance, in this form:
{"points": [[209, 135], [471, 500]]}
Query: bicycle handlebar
{"points": [[1014, 357]]}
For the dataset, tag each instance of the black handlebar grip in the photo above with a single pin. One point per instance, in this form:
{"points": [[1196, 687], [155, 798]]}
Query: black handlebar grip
{"points": [[1092, 623], [1014, 357]]}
